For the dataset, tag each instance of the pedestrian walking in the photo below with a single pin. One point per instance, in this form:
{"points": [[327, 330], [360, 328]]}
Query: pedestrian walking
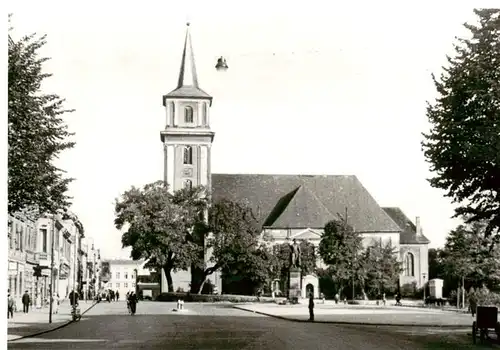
{"points": [[117, 296], [311, 307], [473, 303], [55, 303], [10, 306], [26, 302], [132, 300]]}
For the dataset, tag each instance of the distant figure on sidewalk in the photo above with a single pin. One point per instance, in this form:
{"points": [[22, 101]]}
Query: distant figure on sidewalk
{"points": [[311, 307], [398, 299], [26, 302], [10, 306], [473, 304], [73, 298], [117, 296], [55, 303]]}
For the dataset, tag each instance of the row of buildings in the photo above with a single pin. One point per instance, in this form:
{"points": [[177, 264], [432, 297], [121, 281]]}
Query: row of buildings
{"points": [[127, 275], [51, 243]]}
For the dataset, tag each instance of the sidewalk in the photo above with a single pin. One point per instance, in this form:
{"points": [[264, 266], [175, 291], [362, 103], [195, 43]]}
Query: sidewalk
{"points": [[37, 320], [364, 314]]}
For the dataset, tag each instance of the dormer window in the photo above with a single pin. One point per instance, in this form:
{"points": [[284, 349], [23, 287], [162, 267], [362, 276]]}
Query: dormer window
{"points": [[188, 155], [188, 114], [188, 184]]}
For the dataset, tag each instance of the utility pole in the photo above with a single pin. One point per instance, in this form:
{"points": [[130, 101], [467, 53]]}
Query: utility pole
{"points": [[51, 287], [75, 263]]}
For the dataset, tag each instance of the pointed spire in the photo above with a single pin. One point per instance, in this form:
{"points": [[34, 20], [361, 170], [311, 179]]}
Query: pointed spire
{"points": [[187, 85], [187, 74]]}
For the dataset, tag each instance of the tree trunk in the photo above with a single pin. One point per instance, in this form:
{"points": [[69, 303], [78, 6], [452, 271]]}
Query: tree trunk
{"points": [[168, 275], [207, 273]]}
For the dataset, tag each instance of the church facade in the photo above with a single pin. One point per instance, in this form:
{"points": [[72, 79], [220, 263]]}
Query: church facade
{"points": [[287, 206]]}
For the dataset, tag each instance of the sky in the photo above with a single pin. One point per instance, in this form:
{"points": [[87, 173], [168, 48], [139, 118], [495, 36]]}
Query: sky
{"points": [[311, 89]]}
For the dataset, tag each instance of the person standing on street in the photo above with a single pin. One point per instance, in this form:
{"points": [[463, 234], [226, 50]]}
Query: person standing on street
{"points": [[10, 306], [311, 307], [117, 296], [26, 302], [132, 299]]}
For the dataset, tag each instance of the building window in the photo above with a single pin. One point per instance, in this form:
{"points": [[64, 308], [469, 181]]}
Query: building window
{"points": [[125, 285], [118, 285], [188, 114], [409, 265], [133, 285], [110, 285], [117, 275], [188, 155], [188, 184], [12, 235], [172, 111], [205, 113], [125, 275]]}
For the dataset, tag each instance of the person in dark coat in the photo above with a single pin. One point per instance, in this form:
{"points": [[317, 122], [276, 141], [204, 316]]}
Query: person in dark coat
{"points": [[26, 302], [311, 307], [11, 303], [132, 300]]}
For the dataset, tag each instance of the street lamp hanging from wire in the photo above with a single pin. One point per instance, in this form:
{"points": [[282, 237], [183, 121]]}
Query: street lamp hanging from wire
{"points": [[221, 65]]}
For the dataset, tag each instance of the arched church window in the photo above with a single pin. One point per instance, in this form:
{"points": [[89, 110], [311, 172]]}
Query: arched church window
{"points": [[188, 114], [188, 155], [409, 265], [205, 113], [172, 113], [188, 184]]}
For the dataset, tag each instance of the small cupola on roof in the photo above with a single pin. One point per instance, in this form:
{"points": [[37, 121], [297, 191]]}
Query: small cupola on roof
{"points": [[187, 85]]}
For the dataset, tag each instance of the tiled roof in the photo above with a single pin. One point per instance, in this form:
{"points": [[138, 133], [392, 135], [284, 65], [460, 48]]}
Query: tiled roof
{"points": [[188, 92], [409, 230], [300, 201], [187, 85]]}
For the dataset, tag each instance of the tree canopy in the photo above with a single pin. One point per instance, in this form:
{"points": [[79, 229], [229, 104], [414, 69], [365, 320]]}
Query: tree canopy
{"points": [[235, 243], [381, 267], [340, 247], [468, 253], [162, 227], [463, 145], [37, 133]]}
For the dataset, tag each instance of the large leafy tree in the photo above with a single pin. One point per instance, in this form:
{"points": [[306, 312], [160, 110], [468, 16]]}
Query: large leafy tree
{"points": [[234, 244], [340, 249], [468, 254], [161, 227], [37, 133], [381, 267], [463, 145]]}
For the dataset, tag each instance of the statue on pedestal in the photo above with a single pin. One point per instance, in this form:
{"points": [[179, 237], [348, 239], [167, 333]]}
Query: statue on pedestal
{"points": [[294, 254]]}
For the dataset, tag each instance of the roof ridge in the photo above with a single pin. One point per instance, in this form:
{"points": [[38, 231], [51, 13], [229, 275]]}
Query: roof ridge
{"points": [[280, 207], [318, 200]]}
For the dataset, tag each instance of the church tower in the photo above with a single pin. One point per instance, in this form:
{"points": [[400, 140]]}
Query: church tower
{"points": [[187, 140], [187, 137]]}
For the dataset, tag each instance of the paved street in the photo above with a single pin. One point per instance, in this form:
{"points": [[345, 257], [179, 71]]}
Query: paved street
{"points": [[36, 320], [219, 326], [366, 314]]}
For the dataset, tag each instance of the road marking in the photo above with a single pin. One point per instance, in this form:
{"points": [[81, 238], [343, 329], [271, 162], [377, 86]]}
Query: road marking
{"points": [[43, 340]]}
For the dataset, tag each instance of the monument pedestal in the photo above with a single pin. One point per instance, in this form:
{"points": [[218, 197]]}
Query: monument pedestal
{"points": [[294, 284]]}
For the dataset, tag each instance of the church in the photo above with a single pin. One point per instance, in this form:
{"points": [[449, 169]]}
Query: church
{"points": [[288, 206]]}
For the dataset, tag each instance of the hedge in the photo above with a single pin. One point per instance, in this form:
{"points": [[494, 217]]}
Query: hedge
{"points": [[212, 298]]}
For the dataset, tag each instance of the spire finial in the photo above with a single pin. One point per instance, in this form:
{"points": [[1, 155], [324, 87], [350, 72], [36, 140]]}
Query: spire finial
{"points": [[187, 74]]}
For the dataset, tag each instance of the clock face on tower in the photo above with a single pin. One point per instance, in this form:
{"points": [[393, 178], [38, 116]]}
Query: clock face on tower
{"points": [[187, 172]]}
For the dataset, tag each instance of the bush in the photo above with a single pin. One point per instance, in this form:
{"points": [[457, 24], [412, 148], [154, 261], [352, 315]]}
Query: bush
{"points": [[212, 298]]}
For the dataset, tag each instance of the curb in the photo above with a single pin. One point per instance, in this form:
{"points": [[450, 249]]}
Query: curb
{"points": [[353, 323], [52, 329]]}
